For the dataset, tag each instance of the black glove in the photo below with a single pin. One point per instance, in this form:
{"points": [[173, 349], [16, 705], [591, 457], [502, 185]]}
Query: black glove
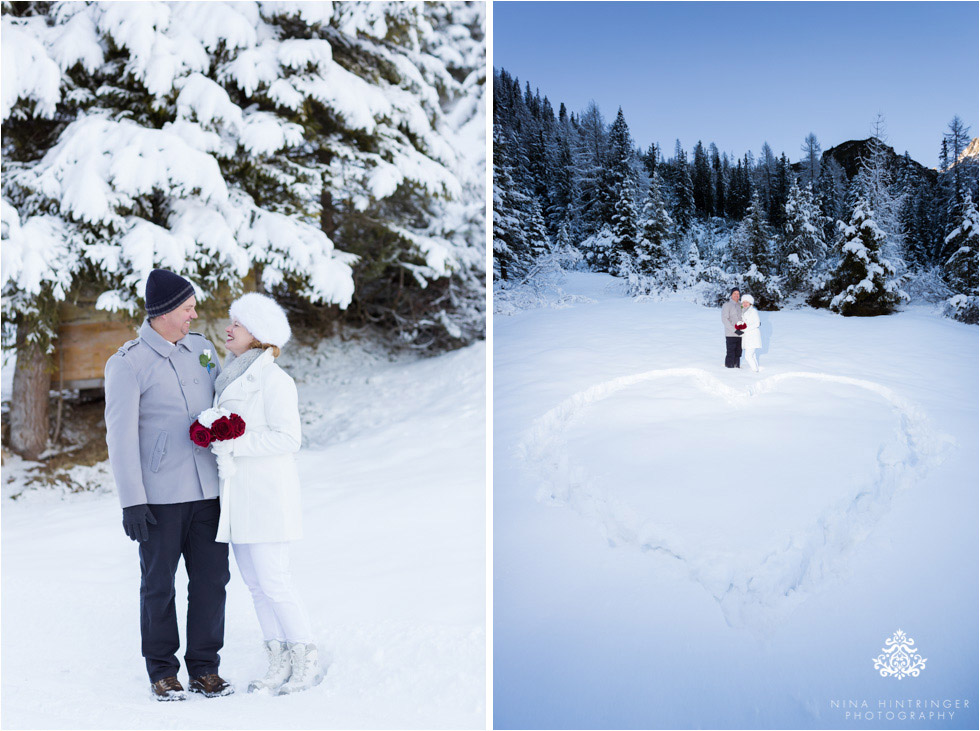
{"points": [[135, 519], [740, 333]]}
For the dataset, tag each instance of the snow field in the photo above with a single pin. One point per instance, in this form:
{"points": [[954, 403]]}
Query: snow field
{"points": [[391, 568], [653, 568], [749, 537]]}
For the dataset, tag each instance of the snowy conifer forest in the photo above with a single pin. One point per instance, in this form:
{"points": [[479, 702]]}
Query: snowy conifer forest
{"points": [[856, 228]]}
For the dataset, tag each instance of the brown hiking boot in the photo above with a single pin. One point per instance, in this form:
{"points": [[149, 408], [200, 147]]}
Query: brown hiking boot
{"points": [[211, 686], [168, 689]]}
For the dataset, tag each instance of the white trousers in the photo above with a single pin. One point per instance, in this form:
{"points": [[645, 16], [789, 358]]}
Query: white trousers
{"points": [[750, 358], [265, 571]]}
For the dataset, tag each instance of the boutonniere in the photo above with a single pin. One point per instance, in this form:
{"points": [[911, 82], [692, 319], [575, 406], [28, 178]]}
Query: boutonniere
{"points": [[206, 361]]}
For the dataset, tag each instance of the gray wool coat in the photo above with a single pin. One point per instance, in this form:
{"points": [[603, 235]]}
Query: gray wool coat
{"points": [[154, 390], [731, 313]]}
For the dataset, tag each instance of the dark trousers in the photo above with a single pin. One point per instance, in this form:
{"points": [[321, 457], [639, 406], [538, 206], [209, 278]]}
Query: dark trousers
{"points": [[733, 351], [188, 530]]}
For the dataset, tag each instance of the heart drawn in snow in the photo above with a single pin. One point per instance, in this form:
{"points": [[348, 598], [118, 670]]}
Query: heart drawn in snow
{"points": [[760, 491]]}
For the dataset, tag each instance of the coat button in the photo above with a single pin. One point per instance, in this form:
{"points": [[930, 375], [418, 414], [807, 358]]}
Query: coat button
{"points": [[183, 382], [251, 377], [195, 380]]}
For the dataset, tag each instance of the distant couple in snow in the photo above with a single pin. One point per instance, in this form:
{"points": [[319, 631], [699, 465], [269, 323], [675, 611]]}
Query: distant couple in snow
{"points": [[190, 484], [741, 320]]}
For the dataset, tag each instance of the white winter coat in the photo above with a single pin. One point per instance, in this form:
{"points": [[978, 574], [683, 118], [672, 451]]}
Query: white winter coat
{"points": [[752, 336], [260, 503]]}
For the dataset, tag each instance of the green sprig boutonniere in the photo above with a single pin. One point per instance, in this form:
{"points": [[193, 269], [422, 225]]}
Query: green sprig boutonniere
{"points": [[206, 361]]}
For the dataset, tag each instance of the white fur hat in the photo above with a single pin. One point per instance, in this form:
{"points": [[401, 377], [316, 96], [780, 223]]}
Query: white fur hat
{"points": [[262, 317], [745, 298]]}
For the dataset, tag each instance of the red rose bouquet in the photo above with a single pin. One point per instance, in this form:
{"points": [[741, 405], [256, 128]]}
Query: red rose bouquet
{"points": [[216, 428], [216, 425]]}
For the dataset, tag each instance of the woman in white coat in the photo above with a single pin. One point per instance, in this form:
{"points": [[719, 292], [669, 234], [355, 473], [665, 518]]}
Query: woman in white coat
{"points": [[751, 336], [260, 492]]}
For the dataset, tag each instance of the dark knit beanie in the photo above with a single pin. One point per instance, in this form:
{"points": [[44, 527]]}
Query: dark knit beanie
{"points": [[734, 290], [165, 292]]}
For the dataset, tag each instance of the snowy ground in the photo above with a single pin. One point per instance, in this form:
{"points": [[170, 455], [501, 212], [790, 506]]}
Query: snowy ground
{"points": [[392, 569], [678, 545]]}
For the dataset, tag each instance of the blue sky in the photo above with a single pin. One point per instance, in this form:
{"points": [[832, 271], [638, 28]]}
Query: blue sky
{"points": [[742, 73]]}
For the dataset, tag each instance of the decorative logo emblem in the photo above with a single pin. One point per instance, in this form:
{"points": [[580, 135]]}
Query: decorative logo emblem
{"points": [[899, 658], [205, 360]]}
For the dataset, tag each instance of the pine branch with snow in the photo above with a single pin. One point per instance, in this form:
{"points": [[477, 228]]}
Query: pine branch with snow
{"points": [[227, 139]]}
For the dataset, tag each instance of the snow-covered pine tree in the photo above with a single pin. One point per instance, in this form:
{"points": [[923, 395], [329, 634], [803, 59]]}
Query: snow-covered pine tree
{"points": [[597, 250], [692, 269], [766, 171], [216, 138], [916, 220], [802, 245], [739, 191], [863, 281], [683, 209], [751, 256], [653, 250], [755, 238], [621, 183], [537, 232], [721, 171], [961, 268], [780, 192], [562, 182], [701, 183], [427, 66], [223, 139]]}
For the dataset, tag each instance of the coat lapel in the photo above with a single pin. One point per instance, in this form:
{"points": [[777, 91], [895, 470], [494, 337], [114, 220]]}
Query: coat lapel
{"points": [[249, 381]]}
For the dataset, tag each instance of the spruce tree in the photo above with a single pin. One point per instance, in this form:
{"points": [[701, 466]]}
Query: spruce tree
{"points": [[960, 269], [537, 232], [752, 249], [702, 189], [684, 209], [862, 282], [622, 181], [653, 252], [754, 239], [803, 238]]}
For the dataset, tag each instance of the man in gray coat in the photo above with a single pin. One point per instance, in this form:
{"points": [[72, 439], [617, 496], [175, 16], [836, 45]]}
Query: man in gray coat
{"points": [[731, 312], [155, 387]]}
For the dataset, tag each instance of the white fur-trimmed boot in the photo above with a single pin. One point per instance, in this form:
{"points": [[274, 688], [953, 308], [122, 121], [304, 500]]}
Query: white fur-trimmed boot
{"points": [[279, 668], [306, 668]]}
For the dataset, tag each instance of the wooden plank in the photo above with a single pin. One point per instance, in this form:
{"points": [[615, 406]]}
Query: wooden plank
{"points": [[83, 348]]}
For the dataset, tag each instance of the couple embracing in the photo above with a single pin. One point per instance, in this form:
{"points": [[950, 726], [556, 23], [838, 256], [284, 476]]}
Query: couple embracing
{"points": [[182, 498], [741, 320]]}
